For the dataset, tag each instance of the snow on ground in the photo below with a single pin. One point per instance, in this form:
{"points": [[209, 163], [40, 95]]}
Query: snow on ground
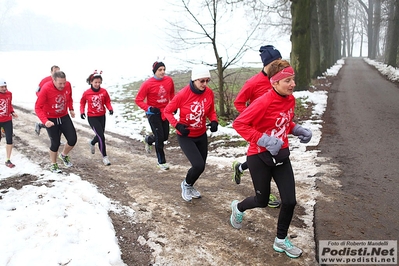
{"points": [[38, 221]]}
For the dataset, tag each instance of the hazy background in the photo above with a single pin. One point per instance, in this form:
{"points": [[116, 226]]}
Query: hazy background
{"points": [[122, 38], [73, 24], [45, 25]]}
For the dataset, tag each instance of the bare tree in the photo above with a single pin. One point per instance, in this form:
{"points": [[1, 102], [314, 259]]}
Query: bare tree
{"points": [[371, 42], [200, 26]]}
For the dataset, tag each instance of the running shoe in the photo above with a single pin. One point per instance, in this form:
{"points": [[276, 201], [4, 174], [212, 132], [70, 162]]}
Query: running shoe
{"points": [[195, 194], [237, 173], [147, 146], [163, 166], [273, 202], [37, 128], [10, 164], [54, 168], [92, 148], [186, 191], [236, 215], [65, 159], [285, 245], [106, 161]]}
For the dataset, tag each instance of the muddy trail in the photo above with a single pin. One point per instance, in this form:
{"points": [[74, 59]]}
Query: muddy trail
{"points": [[164, 229]]}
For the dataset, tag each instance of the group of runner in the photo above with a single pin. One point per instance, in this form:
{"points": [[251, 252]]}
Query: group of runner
{"points": [[54, 100], [266, 107]]}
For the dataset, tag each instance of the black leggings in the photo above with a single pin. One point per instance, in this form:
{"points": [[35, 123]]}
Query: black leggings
{"points": [[8, 130], [160, 129], [261, 174], [196, 151], [97, 123], [62, 125]]}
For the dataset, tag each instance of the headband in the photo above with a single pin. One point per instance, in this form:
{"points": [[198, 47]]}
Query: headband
{"points": [[285, 73], [96, 74]]}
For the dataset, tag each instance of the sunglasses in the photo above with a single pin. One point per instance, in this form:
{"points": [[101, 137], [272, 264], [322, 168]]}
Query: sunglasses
{"points": [[204, 80]]}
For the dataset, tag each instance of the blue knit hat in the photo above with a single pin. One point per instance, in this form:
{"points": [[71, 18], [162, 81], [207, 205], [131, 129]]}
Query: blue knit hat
{"points": [[268, 54]]}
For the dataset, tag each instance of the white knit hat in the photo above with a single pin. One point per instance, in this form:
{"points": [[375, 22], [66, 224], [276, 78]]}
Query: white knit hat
{"points": [[3, 82], [200, 71]]}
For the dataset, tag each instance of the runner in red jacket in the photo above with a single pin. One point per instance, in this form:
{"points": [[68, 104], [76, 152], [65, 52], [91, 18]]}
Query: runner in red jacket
{"points": [[265, 124], [52, 104], [153, 95], [253, 88], [196, 105], [6, 115], [98, 101], [39, 126]]}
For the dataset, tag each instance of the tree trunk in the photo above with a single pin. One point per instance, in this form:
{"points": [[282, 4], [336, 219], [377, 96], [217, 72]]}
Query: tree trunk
{"points": [[222, 110], [314, 41], [370, 44], [347, 30], [376, 28], [326, 37], [369, 12], [341, 18], [393, 48], [300, 39], [335, 30]]}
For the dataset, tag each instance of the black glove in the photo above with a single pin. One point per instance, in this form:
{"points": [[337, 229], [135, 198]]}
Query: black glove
{"points": [[183, 129], [154, 110], [111, 112], [83, 116], [213, 125]]}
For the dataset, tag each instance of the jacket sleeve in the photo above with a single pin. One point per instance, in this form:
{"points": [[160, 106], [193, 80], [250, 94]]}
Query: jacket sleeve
{"points": [[245, 123], [172, 106], [11, 107], [70, 104], [39, 107], [141, 95], [83, 103], [108, 101], [212, 116], [172, 91], [242, 98]]}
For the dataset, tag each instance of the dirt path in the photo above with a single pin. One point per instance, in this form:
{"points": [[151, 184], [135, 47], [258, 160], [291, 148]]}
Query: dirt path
{"points": [[165, 230], [360, 137]]}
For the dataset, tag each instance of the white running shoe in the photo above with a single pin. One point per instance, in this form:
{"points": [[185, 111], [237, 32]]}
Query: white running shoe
{"points": [[195, 194], [285, 245], [106, 161], [236, 215], [147, 147], [186, 191], [163, 166]]}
